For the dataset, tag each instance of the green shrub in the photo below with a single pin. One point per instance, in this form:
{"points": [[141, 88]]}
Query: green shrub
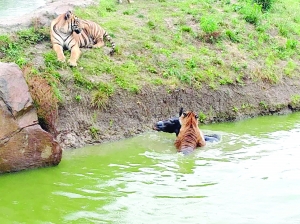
{"points": [[265, 4], [252, 13], [208, 25]]}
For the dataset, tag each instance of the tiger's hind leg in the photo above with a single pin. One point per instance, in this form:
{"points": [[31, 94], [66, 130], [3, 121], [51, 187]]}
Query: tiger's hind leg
{"points": [[75, 54], [100, 43], [59, 52]]}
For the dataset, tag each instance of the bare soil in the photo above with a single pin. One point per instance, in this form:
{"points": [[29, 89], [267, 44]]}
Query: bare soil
{"points": [[130, 114]]}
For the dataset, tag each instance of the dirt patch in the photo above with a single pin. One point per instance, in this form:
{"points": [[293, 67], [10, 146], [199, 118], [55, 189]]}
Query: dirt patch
{"points": [[130, 114]]}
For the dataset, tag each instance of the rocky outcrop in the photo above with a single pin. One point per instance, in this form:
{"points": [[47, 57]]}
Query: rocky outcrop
{"points": [[23, 143]]}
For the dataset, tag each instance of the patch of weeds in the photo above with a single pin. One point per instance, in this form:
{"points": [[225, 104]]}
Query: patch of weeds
{"points": [[210, 27], [186, 28], [78, 98], [202, 117], [239, 79], [263, 104], [245, 106], [106, 7], [291, 44], [177, 38], [130, 12], [295, 100], [94, 131], [235, 109], [157, 81], [82, 81], [190, 63], [99, 99], [151, 25], [151, 69], [51, 61], [251, 13], [225, 81], [32, 35], [101, 96], [290, 68], [233, 36], [283, 29], [265, 4]]}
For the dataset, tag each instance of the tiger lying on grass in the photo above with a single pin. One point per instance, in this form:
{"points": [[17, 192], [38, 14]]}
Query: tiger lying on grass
{"points": [[69, 32]]}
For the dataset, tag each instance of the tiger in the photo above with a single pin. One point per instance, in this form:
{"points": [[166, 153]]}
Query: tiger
{"points": [[190, 136], [67, 31]]}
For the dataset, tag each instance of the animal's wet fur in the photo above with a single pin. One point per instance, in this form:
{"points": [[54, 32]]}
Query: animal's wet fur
{"points": [[190, 136]]}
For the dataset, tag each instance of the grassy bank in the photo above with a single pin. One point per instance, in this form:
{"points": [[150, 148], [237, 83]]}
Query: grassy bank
{"points": [[164, 42]]}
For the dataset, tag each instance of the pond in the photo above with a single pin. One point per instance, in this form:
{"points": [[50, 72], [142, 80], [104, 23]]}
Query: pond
{"points": [[251, 176], [10, 9]]}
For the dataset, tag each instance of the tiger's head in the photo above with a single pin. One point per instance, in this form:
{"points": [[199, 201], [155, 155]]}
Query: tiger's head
{"points": [[188, 118], [73, 22]]}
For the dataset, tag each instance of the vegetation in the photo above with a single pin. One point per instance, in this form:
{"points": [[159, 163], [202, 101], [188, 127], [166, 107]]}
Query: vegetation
{"points": [[167, 42]]}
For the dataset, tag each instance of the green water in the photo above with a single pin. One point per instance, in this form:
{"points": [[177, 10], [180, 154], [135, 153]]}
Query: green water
{"points": [[252, 176]]}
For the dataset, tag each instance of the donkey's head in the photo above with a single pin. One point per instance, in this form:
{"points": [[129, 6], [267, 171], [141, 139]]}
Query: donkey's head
{"points": [[171, 125]]}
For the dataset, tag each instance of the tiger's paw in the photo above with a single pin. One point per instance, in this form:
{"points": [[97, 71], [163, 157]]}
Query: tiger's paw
{"points": [[72, 63], [62, 59]]}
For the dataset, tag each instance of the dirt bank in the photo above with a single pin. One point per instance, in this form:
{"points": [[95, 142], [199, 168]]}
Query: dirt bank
{"points": [[130, 114]]}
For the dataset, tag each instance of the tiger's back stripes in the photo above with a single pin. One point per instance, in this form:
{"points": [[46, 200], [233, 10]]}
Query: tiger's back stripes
{"points": [[93, 35], [190, 137]]}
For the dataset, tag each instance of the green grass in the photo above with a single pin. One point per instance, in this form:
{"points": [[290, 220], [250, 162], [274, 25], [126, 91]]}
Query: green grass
{"points": [[180, 43]]}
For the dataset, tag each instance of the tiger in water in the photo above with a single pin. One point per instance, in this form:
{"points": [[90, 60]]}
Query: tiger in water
{"points": [[190, 136], [67, 31]]}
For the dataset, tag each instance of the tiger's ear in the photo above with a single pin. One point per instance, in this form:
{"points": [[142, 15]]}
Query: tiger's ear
{"points": [[196, 116], [68, 15], [180, 111]]}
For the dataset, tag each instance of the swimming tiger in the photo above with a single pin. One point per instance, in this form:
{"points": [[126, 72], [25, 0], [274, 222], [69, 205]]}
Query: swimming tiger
{"points": [[190, 136], [69, 32]]}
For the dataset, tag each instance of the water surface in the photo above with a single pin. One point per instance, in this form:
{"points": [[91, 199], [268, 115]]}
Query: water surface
{"points": [[10, 9], [252, 176]]}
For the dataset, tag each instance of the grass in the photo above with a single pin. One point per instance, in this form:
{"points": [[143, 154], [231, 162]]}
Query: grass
{"points": [[180, 43]]}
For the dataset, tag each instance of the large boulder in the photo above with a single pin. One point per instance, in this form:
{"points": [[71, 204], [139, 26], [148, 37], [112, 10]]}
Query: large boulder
{"points": [[23, 143]]}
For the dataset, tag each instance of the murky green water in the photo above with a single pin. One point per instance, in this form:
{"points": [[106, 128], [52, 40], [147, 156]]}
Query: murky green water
{"points": [[252, 176], [9, 9]]}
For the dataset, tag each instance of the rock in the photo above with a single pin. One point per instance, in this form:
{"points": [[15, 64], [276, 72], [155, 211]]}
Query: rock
{"points": [[23, 143]]}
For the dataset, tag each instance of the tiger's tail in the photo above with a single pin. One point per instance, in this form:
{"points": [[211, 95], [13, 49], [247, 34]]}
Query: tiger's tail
{"points": [[113, 45]]}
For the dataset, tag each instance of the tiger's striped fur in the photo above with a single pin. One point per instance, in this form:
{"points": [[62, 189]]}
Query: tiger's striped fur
{"points": [[190, 136], [67, 31], [129, 1]]}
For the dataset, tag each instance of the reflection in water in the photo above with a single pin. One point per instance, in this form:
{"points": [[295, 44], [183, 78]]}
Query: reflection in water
{"points": [[252, 176], [14, 8]]}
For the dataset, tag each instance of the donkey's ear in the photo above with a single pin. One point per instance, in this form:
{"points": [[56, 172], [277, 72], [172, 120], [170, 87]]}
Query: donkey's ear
{"points": [[67, 15], [180, 111]]}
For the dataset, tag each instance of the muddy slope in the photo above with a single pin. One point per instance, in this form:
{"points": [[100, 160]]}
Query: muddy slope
{"points": [[130, 114]]}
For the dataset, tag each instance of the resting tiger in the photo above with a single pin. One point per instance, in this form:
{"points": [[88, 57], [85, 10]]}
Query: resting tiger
{"points": [[69, 32], [190, 136]]}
